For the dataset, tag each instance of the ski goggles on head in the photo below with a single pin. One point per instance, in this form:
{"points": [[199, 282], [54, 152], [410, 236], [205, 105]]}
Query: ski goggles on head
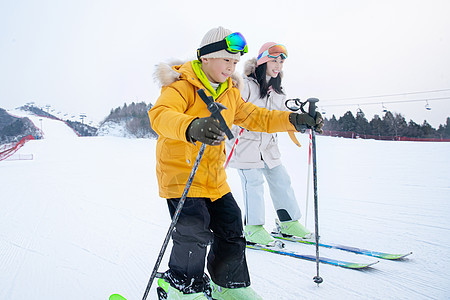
{"points": [[236, 43], [232, 43], [274, 51]]}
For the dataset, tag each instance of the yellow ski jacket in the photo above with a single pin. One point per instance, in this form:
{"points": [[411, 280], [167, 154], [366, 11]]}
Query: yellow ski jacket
{"points": [[177, 106]]}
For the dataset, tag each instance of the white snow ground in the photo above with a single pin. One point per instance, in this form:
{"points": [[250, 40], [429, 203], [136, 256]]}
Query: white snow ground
{"points": [[83, 220]]}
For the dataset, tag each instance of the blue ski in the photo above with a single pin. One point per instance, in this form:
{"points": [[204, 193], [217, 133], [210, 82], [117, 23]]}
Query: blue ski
{"points": [[324, 260], [377, 254]]}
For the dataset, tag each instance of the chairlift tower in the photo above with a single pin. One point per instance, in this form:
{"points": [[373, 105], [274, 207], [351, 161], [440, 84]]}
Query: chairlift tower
{"points": [[82, 116]]}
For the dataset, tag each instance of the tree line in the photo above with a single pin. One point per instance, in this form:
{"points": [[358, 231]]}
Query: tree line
{"points": [[389, 125], [135, 116]]}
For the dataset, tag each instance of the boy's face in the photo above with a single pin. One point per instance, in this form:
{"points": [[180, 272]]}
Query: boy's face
{"points": [[217, 70]]}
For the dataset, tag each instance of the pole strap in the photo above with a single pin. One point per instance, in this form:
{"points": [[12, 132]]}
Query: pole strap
{"points": [[294, 138]]}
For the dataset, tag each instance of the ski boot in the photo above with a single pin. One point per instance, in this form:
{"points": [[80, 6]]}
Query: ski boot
{"points": [[222, 293], [256, 234], [293, 228], [167, 292]]}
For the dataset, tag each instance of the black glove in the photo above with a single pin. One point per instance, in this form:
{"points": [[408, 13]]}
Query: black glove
{"points": [[301, 120], [205, 130]]}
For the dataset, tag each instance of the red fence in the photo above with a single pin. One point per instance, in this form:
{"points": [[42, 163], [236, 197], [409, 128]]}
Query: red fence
{"points": [[12, 148], [354, 135]]}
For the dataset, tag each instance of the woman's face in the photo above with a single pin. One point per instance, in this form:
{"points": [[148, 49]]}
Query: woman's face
{"points": [[274, 66]]}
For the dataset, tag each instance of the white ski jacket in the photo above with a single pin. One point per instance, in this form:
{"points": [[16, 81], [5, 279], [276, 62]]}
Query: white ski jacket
{"points": [[255, 148]]}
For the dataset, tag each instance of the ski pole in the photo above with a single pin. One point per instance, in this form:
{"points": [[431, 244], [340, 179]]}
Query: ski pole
{"points": [[214, 108], [174, 219], [232, 149], [308, 181], [312, 112], [295, 105]]}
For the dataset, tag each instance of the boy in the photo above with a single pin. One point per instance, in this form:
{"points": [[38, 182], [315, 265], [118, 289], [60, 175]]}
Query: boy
{"points": [[210, 215]]}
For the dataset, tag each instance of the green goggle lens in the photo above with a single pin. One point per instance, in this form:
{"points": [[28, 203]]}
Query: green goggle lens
{"points": [[236, 43]]}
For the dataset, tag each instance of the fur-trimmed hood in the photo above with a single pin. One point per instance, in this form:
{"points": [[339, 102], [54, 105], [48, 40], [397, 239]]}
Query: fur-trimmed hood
{"points": [[250, 66], [167, 73]]}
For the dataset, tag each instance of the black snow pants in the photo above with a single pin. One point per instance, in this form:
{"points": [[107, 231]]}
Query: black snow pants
{"points": [[203, 222]]}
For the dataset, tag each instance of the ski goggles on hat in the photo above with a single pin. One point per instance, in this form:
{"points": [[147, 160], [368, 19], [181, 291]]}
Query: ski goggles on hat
{"points": [[274, 51], [232, 43]]}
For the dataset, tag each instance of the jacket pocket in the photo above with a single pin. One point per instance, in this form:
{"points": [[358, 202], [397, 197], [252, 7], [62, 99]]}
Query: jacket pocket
{"points": [[179, 151], [272, 148]]}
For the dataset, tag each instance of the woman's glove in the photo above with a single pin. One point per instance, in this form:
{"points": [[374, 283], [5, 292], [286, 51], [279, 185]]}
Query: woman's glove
{"points": [[302, 121], [205, 130]]}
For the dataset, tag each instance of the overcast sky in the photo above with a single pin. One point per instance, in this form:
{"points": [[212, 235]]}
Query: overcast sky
{"points": [[89, 56]]}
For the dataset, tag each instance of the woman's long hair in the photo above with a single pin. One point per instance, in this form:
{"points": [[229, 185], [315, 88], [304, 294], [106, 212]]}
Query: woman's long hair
{"points": [[260, 76]]}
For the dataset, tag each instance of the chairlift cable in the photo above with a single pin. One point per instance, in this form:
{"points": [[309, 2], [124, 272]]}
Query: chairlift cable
{"points": [[384, 102], [387, 95]]}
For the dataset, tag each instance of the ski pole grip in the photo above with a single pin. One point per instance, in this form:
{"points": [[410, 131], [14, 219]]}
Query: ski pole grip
{"points": [[215, 108], [312, 106]]}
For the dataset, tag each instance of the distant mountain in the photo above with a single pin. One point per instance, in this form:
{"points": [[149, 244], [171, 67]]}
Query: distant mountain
{"points": [[80, 128], [13, 129], [128, 121]]}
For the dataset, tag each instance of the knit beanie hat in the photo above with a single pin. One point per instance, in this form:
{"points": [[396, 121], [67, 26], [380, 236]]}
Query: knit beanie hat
{"points": [[265, 58], [215, 35]]}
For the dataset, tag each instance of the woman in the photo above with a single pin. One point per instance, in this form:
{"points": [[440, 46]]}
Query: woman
{"points": [[257, 154]]}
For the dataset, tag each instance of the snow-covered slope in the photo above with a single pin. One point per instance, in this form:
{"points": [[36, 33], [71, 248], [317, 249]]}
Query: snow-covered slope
{"points": [[51, 128], [83, 220]]}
